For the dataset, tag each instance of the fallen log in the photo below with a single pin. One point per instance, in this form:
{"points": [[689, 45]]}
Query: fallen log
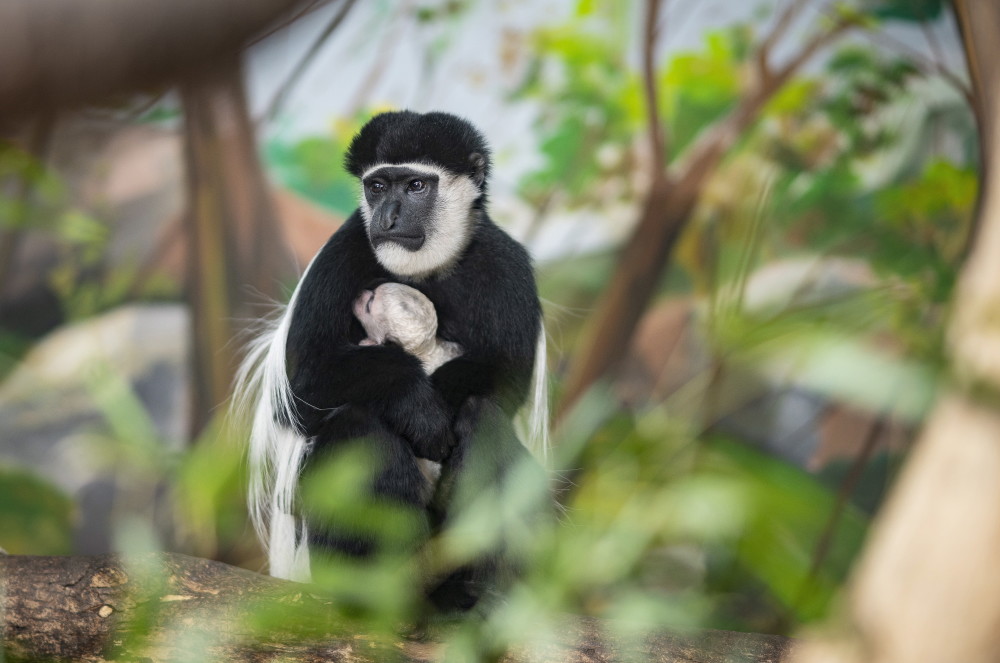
{"points": [[91, 609]]}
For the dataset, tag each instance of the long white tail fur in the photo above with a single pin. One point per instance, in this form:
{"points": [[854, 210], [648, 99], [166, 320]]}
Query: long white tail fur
{"points": [[534, 421], [276, 450]]}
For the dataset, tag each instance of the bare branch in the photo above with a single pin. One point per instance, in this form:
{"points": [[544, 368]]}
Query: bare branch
{"points": [[780, 28], [657, 140], [932, 41], [665, 213], [928, 65], [305, 10], [386, 50], [844, 493], [809, 51], [281, 95]]}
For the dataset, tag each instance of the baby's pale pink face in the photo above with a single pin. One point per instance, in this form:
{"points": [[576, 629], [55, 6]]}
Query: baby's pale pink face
{"points": [[397, 313], [368, 308]]}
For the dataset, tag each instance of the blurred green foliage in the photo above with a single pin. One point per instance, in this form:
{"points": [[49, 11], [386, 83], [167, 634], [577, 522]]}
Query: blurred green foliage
{"points": [[34, 201], [907, 10], [35, 517], [668, 520], [591, 105], [311, 167]]}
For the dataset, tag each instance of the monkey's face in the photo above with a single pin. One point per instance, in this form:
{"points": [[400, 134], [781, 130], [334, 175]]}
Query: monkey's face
{"points": [[397, 313], [401, 201], [418, 216]]}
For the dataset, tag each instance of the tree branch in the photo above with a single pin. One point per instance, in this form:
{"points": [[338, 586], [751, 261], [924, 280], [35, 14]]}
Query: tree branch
{"points": [[657, 140], [929, 65], [847, 487], [781, 25], [665, 213], [710, 147], [286, 87], [90, 609]]}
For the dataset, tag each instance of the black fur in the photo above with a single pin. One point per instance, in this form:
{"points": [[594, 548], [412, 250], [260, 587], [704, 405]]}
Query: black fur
{"points": [[486, 301], [489, 459], [433, 138]]}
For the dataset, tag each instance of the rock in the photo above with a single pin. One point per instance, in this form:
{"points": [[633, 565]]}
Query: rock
{"points": [[51, 405]]}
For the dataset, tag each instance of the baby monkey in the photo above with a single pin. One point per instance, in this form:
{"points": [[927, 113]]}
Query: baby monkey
{"points": [[403, 315]]}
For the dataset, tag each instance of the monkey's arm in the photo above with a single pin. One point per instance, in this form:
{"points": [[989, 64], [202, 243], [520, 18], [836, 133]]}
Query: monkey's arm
{"points": [[389, 383], [495, 316]]}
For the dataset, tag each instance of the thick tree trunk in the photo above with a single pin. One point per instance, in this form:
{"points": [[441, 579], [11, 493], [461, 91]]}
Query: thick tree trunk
{"points": [[236, 254], [979, 23], [927, 588], [88, 609]]}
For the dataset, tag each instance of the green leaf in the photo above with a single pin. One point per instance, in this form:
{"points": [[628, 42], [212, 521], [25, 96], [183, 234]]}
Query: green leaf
{"points": [[36, 518], [789, 513]]}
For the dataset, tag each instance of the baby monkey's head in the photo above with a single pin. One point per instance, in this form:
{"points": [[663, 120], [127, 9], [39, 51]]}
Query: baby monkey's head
{"points": [[397, 313]]}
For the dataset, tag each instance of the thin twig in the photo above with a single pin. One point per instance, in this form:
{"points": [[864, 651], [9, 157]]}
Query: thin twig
{"points": [[280, 96], [781, 25], [927, 64], [680, 17], [932, 41], [386, 50], [657, 139], [710, 147], [307, 9], [844, 493], [810, 50]]}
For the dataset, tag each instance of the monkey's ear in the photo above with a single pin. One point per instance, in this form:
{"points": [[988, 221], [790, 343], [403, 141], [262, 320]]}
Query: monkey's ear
{"points": [[478, 164]]}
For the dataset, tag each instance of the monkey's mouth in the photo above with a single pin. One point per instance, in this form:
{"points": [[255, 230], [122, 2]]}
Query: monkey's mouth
{"points": [[408, 242]]}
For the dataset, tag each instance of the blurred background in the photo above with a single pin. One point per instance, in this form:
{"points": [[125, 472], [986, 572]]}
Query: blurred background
{"points": [[746, 218]]}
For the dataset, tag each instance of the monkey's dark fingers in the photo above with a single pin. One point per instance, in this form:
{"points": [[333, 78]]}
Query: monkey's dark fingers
{"points": [[424, 420], [461, 378]]}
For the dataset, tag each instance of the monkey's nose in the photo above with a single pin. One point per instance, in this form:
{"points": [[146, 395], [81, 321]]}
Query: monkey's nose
{"points": [[391, 216]]}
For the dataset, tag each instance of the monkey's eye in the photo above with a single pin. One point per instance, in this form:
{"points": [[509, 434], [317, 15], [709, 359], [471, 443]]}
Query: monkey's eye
{"points": [[376, 187], [417, 186]]}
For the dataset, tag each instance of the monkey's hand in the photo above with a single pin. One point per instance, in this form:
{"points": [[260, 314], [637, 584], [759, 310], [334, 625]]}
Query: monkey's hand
{"points": [[383, 380], [425, 421], [461, 378]]}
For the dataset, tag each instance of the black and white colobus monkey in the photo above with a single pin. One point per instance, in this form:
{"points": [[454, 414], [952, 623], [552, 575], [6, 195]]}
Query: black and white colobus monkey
{"points": [[310, 383]]}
